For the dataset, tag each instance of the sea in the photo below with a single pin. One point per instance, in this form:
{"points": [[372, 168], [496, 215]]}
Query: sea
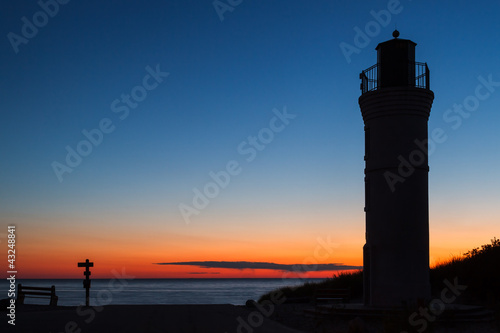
{"points": [[156, 291]]}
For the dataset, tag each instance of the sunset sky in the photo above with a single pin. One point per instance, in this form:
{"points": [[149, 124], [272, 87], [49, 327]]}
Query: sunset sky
{"points": [[179, 90]]}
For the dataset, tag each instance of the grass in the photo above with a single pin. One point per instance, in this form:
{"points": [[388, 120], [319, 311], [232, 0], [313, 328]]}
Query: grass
{"points": [[478, 269], [343, 280]]}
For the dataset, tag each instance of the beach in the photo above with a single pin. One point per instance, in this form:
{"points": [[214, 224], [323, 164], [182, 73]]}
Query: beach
{"points": [[220, 318], [141, 319]]}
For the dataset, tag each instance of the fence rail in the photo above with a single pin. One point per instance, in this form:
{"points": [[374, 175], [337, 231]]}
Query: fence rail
{"points": [[370, 77]]}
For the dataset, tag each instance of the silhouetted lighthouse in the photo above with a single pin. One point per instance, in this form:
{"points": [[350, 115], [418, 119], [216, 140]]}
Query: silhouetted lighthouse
{"points": [[395, 103]]}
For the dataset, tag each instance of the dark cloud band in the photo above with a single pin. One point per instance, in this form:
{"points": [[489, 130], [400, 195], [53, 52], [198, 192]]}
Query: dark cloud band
{"points": [[263, 265]]}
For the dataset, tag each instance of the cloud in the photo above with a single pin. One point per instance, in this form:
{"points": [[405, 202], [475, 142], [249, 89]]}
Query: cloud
{"points": [[203, 273], [263, 265]]}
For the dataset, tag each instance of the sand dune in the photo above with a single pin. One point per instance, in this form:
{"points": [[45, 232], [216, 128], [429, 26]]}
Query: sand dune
{"points": [[143, 318]]}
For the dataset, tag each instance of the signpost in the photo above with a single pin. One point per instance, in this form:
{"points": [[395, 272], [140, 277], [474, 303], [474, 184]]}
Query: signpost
{"points": [[86, 282]]}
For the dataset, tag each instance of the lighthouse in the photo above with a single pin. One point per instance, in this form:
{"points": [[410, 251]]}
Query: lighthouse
{"points": [[395, 103]]}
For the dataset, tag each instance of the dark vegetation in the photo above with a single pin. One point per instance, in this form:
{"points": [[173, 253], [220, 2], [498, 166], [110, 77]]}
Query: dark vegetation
{"points": [[478, 269], [344, 280]]}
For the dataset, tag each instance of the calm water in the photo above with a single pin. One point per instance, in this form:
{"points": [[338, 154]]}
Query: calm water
{"points": [[158, 291]]}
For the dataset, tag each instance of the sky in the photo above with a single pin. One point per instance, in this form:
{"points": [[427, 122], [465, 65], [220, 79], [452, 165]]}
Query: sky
{"points": [[228, 132]]}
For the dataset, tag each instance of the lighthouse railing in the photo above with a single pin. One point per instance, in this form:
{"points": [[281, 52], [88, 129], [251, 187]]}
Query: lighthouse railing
{"points": [[421, 79], [421, 75], [369, 79]]}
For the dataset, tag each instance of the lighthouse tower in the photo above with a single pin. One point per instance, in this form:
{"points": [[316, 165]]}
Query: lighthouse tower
{"points": [[395, 104]]}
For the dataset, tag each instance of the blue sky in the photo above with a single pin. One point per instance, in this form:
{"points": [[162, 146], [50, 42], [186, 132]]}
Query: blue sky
{"points": [[225, 79]]}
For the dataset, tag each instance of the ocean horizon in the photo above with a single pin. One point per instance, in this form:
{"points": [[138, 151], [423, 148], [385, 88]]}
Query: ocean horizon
{"points": [[234, 291]]}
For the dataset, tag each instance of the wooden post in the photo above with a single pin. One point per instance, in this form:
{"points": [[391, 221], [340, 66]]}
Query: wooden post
{"points": [[86, 282], [20, 294], [53, 297]]}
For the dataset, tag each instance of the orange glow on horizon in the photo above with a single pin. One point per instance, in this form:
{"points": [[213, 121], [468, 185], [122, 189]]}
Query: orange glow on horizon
{"points": [[45, 250]]}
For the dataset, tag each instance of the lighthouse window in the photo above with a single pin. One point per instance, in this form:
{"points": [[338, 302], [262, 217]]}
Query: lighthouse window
{"points": [[367, 194], [367, 142]]}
